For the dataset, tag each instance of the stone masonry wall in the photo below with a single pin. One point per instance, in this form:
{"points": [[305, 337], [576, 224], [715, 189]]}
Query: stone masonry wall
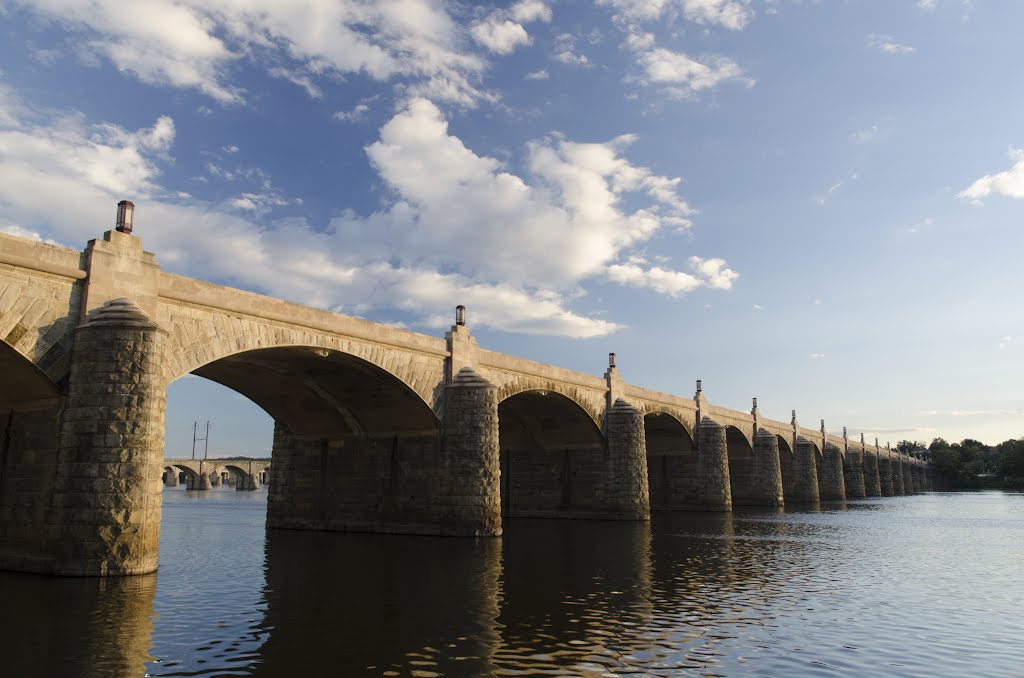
{"points": [[28, 462], [713, 467], [853, 473], [767, 473], [108, 487], [804, 488], [872, 477], [832, 485], [38, 314]]}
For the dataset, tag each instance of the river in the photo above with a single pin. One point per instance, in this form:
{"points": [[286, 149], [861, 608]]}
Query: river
{"points": [[928, 585]]}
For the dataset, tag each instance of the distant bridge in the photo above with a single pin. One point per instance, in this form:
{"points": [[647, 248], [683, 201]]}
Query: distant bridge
{"points": [[204, 474], [376, 428]]}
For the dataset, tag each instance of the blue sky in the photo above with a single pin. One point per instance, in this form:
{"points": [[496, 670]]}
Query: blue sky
{"points": [[815, 203]]}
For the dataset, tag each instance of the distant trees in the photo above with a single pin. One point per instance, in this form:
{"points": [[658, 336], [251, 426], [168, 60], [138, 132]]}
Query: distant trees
{"points": [[971, 464]]}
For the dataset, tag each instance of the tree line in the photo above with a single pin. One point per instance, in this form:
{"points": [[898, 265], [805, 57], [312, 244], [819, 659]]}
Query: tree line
{"points": [[971, 464]]}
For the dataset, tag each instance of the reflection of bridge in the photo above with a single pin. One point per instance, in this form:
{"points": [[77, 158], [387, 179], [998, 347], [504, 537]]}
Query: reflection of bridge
{"points": [[203, 474], [376, 428]]}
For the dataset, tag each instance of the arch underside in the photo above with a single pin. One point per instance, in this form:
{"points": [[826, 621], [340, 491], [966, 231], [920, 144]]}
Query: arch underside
{"points": [[671, 463], [322, 394], [30, 408], [743, 469], [551, 456], [355, 448]]}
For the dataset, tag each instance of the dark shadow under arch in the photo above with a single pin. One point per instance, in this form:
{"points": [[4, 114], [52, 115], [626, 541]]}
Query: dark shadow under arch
{"points": [[741, 466], [671, 462], [551, 453]]}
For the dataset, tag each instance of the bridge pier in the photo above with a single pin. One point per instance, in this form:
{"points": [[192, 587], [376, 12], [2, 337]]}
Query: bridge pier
{"points": [[767, 473], [885, 476], [626, 489], [896, 469], [469, 500], [804, 485], [853, 473], [714, 491], [910, 487], [832, 485], [872, 476], [111, 451], [170, 478]]}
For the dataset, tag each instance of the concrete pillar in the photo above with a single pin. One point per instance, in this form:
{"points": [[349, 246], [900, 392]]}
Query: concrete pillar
{"points": [[215, 480], [470, 500], [111, 445], [908, 477], [853, 473], [896, 468], [714, 491], [831, 484], [171, 478], [626, 489], [805, 472], [885, 475], [872, 476], [767, 470]]}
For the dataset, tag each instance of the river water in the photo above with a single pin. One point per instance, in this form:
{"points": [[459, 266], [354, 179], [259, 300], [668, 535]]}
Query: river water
{"points": [[929, 585]]}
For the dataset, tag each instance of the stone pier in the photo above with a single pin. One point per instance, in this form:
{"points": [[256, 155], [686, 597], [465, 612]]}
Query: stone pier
{"points": [[831, 484], [804, 488], [853, 473], [715, 492], [767, 470]]}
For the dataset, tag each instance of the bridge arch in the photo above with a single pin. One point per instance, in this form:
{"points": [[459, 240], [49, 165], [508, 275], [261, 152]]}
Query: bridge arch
{"points": [[551, 449], [319, 392], [671, 461], [590, 403], [198, 339], [742, 466]]}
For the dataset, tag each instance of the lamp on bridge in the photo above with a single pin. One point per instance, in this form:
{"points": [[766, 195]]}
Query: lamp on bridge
{"points": [[125, 216], [698, 386], [611, 360], [460, 315]]}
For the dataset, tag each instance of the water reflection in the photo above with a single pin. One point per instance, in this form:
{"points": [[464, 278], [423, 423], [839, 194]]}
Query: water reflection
{"points": [[380, 604], [76, 627], [897, 586], [575, 596]]}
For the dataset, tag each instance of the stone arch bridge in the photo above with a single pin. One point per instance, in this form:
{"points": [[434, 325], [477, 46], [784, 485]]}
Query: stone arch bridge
{"points": [[376, 428], [204, 474]]}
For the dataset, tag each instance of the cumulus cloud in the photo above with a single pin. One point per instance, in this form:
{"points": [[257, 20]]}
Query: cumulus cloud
{"points": [[1009, 182], [457, 227], [711, 273], [502, 31], [193, 43], [678, 74]]}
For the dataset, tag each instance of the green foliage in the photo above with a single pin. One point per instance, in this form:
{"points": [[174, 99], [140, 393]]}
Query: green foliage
{"points": [[971, 464]]}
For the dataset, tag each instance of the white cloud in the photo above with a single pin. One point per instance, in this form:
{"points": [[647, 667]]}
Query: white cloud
{"points": [[817, 356], [458, 227], [537, 75], [676, 73], [927, 4], [297, 77], [528, 11], [709, 272], [887, 44], [565, 51], [502, 31], [356, 114], [230, 149], [193, 43], [1009, 183], [731, 14]]}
